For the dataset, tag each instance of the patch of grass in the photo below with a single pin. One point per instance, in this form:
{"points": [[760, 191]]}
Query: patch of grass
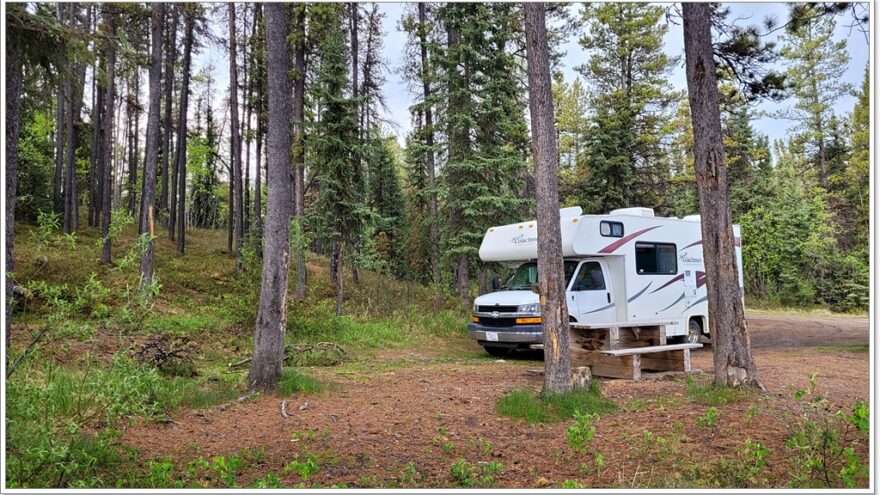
{"points": [[708, 393], [540, 408], [293, 381], [858, 348]]}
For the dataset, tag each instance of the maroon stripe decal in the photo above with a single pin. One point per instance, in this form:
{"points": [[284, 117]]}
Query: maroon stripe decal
{"points": [[620, 242], [737, 241], [701, 279], [691, 245], [674, 279]]}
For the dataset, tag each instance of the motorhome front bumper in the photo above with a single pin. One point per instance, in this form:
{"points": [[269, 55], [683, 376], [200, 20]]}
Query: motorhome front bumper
{"points": [[520, 334]]}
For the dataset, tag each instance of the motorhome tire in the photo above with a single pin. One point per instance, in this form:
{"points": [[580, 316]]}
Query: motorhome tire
{"points": [[694, 332]]}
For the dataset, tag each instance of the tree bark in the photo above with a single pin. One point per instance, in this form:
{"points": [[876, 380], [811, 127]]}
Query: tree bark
{"points": [[433, 229], [731, 345], [95, 169], [551, 279], [14, 86], [235, 140], [70, 161], [258, 189], [133, 144], [60, 117], [299, 92], [168, 127], [108, 120], [182, 131], [340, 275], [272, 313], [157, 19]]}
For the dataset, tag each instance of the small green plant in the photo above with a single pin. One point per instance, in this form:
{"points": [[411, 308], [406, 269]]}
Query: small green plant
{"points": [[745, 469], [482, 474], [823, 440], [227, 469], [572, 484], [710, 418], [752, 411], [481, 443], [410, 476], [635, 405], [580, 434], [304, 468], [269, 480]]}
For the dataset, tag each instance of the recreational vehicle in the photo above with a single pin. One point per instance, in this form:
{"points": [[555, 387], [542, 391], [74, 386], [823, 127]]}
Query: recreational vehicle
{"points": [[625, 267]]}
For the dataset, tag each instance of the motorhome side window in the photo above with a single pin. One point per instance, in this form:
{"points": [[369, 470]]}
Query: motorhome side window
{"points": [[611, 229], [654, 258]]}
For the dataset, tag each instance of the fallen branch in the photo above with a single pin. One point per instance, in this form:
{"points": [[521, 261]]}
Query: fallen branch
{"points": [[284, 409], [25, 352], [291, 350]]}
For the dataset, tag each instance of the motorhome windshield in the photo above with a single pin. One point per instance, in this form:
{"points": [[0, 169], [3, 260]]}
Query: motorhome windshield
{"points": [[527, 275]]}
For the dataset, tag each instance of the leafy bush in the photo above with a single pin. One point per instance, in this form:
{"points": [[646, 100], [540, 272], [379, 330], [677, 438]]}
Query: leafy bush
{"points": [[823, 441]]}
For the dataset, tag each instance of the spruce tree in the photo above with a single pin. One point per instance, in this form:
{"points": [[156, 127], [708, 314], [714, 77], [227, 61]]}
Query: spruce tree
{"points": [[629, 72], [335, 145]]}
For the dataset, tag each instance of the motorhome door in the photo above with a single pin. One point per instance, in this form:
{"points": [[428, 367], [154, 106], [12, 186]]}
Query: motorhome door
{"points": [[590, 293]]}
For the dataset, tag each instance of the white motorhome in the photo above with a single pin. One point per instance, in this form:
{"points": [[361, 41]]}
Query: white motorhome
{"points": [[624, 267]]}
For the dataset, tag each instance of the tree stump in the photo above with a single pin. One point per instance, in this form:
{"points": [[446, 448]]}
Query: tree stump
{"points": [[581, 378]]}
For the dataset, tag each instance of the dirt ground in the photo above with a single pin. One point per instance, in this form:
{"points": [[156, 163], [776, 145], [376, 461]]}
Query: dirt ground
{"points": [[432, 412]]}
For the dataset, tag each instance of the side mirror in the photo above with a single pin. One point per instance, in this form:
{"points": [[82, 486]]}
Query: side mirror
{"points": [[496, 282]]}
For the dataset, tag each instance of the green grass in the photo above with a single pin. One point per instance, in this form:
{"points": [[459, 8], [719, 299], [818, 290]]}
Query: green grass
{"points": [[707, 392], [293, 381], [541, 408], [857, 348]]}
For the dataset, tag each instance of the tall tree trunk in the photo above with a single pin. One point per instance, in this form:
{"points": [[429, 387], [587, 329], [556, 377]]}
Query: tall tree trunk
{"points": [[340, 274], [258, 189], [58, 177], [551, 278], [14, 86], [272, 313], [97, 171], [70, 207], [168, 127], [459, 144], [299, 92], [148, 205], [107, 147], [731, 345], [433, 229], [78, 93], [235, 139], [133, 145], [182, 131], [248, 107]]}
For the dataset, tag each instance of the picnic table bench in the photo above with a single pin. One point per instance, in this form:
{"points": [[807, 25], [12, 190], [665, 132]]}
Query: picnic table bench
{"points": [[624, 349]]}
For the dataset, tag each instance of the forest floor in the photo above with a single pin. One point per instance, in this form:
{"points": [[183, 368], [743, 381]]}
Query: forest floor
{"points": [[406, 424], [412, 402]]}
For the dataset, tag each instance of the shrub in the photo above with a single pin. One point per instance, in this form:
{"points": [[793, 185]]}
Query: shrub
{"points": [[823, 440]]}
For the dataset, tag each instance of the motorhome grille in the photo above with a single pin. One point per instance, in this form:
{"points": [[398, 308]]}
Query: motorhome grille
{"points": [[500, 309], [497, 322]]}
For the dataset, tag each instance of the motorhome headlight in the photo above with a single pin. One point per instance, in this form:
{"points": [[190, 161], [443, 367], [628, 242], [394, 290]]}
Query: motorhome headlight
{"points": [[476, 308], [531, 309]]}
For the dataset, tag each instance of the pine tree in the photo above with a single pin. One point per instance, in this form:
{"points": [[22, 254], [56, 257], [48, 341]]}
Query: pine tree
{"points": [[629, 73], [485, 129], [272, 314], [335, 146], [856, 175], [147, 219], [816, 63], [386, 200]]}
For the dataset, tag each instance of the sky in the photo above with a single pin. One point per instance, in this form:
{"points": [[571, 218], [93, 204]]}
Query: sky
{"points": [[399, 97]]}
